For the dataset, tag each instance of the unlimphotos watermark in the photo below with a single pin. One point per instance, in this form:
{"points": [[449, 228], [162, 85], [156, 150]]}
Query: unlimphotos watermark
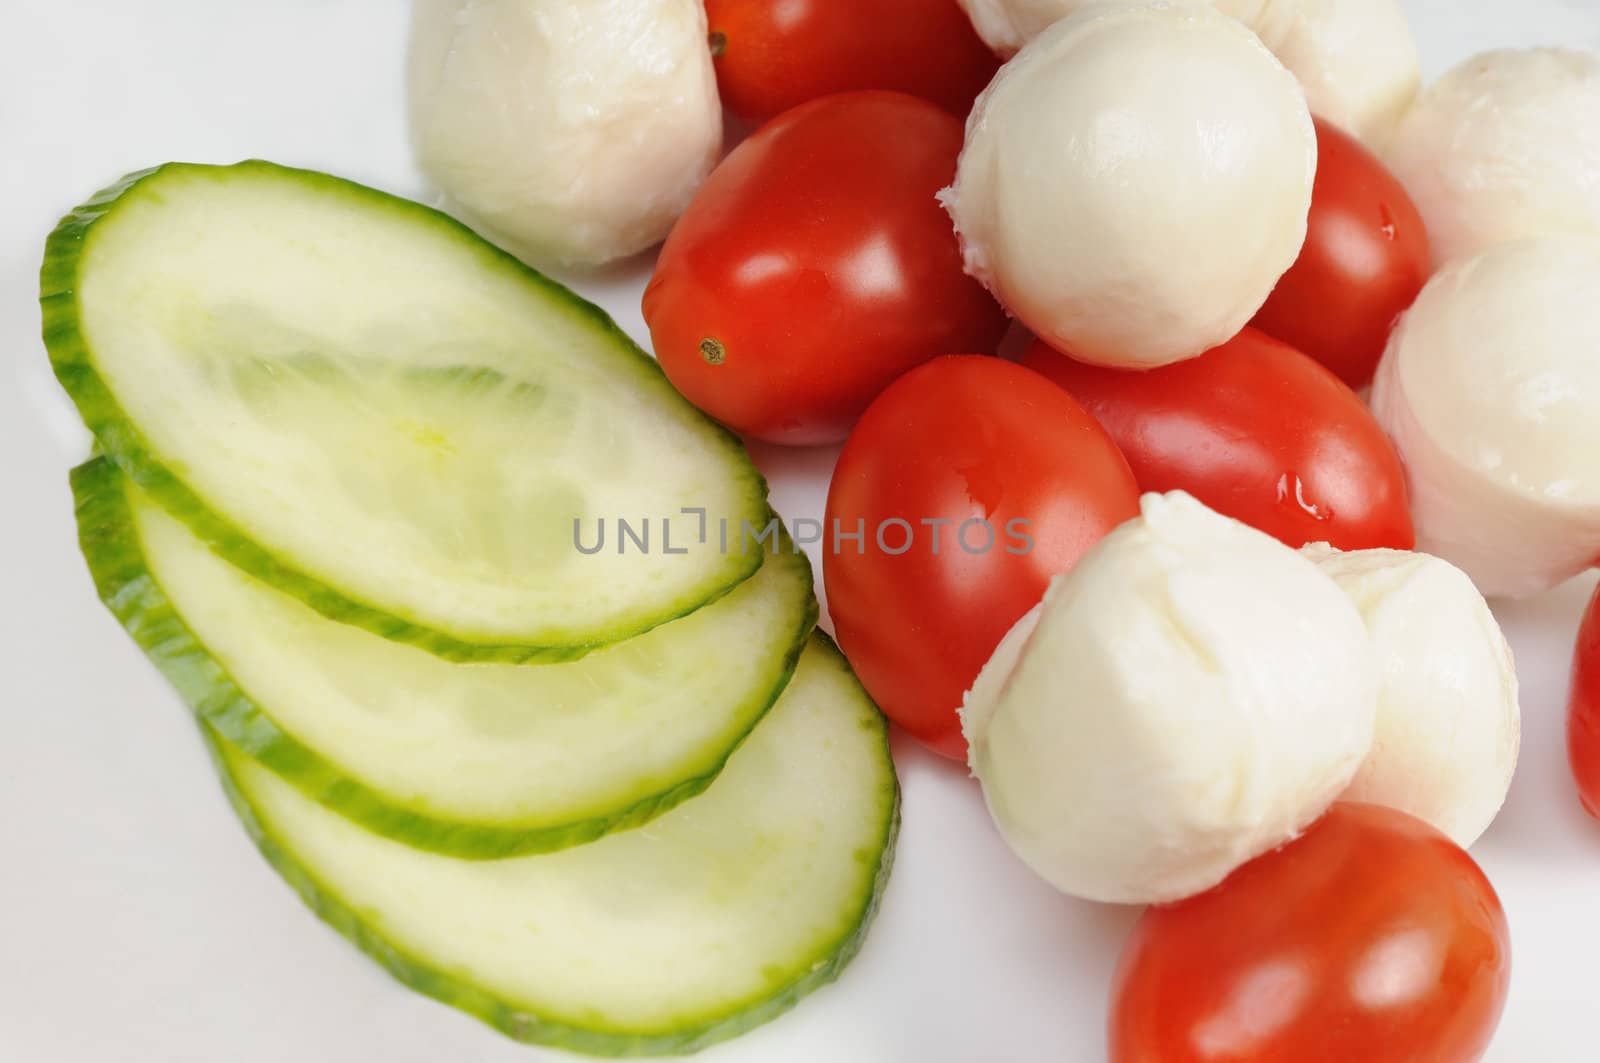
{"points": [[893, 535]]}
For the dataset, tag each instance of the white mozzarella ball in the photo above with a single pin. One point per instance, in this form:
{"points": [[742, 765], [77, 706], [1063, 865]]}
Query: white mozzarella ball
{"points": [[1356, 59], [1490, 389], [1449, 726], [1193, 694], [568, 133], [1135, 182], [1505, 146], [1006, 25]]}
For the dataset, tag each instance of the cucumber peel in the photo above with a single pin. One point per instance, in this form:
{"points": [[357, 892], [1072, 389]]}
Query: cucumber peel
{"points": [[479, 761], [362, 403], [713, 919]]}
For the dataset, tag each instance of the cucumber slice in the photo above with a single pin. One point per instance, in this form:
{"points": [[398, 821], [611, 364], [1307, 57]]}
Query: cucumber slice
{"points": [[358, 400], [480, 760], [714, 918]]}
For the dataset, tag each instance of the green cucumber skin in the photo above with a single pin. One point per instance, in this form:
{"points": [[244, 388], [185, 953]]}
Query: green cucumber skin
{"points": [[117, 436], [519, 1024], [110, 545]]}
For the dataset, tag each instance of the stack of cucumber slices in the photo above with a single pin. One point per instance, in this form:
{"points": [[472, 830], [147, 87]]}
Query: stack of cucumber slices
{"points": [[352, 466]]}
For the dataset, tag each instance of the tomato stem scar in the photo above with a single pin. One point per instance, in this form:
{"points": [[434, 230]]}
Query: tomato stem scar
{"points": [[713, 351]]}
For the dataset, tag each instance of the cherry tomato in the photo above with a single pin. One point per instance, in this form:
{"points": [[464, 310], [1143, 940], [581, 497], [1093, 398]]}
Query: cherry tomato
{"points": [[973, 482], [815, 266], [1583, 709], [1257, 431], [1371, 938], [774, 54], [1365, 259]]}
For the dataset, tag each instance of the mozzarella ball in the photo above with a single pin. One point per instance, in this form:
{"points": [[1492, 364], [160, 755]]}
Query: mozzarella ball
{"points": [[1448, 726], [1505, 146], [1193, 694], [1490, 389], [570, 134], [1356, 59], [1135, 182], [1006, 25]]}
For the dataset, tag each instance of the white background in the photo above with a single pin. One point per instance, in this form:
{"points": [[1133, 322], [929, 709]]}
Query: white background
{"points": [[138, 925]]}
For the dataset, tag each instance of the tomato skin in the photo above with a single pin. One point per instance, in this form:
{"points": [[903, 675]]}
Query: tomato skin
{"points": [[772, 55], [1365, 259], [1583, 709], [1371, 937], [958, 439], [1257, 431], [817, 266]]}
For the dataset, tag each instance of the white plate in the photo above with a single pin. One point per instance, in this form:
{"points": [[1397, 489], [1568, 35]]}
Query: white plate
{"points": [[138, 925]]}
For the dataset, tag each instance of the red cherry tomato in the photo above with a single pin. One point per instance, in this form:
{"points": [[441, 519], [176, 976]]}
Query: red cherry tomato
{"points": [[1365, 259], [815, 266], [1257, 431], [1371, 938], [974, 482], [1583, 709], [774, 54]]}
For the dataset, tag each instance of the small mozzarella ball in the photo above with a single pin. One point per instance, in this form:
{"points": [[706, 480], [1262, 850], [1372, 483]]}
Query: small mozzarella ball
{"points": [[1006, 25], [1192, 694], [1135, 182], [1356, 59], [1449, 726], [1490, 389], [1505, 146], [568, 133]]}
